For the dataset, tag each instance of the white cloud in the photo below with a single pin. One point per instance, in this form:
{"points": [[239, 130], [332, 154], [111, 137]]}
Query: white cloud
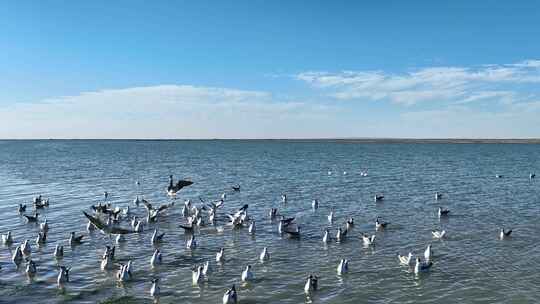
{"points": [[439, 84], [166, 111]]}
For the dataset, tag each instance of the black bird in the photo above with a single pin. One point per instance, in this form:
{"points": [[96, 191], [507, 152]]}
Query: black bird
{"points": [[31, 218], [174, 188], [236, 188], [22, 208]]}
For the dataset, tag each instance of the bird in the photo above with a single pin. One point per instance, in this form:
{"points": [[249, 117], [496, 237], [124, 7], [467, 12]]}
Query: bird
{"points": [[191, 242], [75, 240], [174, 188], [17, 256], [252, 228], [156, 238], [206, 269], [156, 258], [31, 218], [315, 204], [343, 267], [311, 284], [405, 259], [21, 208], [273, 213], [284, 198], [368, 240], [293, 233], [236, 188], [341, 234], [265, 255], [422, 266], [26, 248], [44, 226], [63, 275], [90, 227], [99, 224], [219, 255], [120, 238], [197, 275], [379, 197], [326, 236], [350, 223], [438, 234], [124, 273], [59, 251], [331, 216], [438, 195], [443, 212], [247, 274], [106, 263], [532, 175], [284, 223], [154, 290], [504, 233], [41, 238], [380, 225], [7, 239], [31, 269], [139, 227], [230, 296], [428, 253]]}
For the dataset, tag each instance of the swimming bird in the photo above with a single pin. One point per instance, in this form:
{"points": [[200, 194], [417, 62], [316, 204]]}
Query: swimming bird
{"points": [[379, 197], [443, 212], [315, 204], [247, 274], [41, 238], [293, 233], [21, 208], [341, 234], [44, 226], [191, 243], [188, 229], [252, 227], [331, 216], [498, 176], [380, 225], [174, 188], [31, 218], [428, 253], [109, 252], [438, 234], [343, 267], [206, 269], [532, 175], [273, 213], [156, 258], [284, 198], [405, 259], [236, 188], [156, 238], [41, 203], [7, 239], [139, 227], [326, 236], [58, 251], [504, 234], [422, 266], [438, 195], [17, 256], [31, 268], [104, 227], [106, 263], [197, 275], [368, 240], [230, 296], [122, 274], [75, 240], [154, 290], [120, 238], [63, 275], [284, 223], [312, 283], [26, 248], [219, 255], [350, 223], [265, 255]]}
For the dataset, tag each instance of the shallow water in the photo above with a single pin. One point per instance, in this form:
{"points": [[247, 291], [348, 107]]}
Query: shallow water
{"points": [[470, 266]]}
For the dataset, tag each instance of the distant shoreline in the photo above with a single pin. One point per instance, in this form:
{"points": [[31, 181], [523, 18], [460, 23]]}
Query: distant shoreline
{"points": [[330, 140]]}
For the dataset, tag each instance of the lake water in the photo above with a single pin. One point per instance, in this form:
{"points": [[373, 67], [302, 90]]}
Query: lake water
{"points": [[471, 266]]}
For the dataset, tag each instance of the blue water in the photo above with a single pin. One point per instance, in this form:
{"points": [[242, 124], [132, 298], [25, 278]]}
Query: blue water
{"points": [[471, 266]]}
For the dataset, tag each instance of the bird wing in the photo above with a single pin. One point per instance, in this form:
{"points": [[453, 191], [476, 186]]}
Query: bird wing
{"points": [[96, 221], [182, 183]]}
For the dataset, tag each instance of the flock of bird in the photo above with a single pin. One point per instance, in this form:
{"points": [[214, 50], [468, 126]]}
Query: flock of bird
{"points": [[108, 219]]}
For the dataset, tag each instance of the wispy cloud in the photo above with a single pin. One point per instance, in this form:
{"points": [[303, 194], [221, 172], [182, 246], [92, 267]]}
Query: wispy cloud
{"points": [[165, 111], [439, 84]]}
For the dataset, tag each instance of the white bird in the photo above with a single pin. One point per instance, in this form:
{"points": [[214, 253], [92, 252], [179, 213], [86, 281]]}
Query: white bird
{"points": [[106, 263], [223, 196], [197, 275], [7, 239], [340, 235], [247, 274], [438, 234], [252, 228], [41, 238], [380, 225], [284, 198], [63, 275], [326, 237], [191, 243], [265, 256], [421, 266], [428, 253], [343, 267], [438, 196], [405, 259], [26, 248], [368, 240], [126, 211], [315, 204], [156, 238], [123, 274], [154, 290], [206, 269], [17, 256], [230, 296], [220, 256], [59, 251], [139, 227], [311, 284], [134, 221], [504, 234], [156, 258], [44, 226], [331, 216]]}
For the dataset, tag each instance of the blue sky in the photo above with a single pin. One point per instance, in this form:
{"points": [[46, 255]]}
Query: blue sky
{"points": [[254, 69]]}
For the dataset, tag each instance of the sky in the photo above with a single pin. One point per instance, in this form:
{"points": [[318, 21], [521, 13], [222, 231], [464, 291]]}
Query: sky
{"points": [[269, 69]]}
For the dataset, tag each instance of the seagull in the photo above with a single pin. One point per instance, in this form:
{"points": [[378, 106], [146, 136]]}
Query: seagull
{"points": [[252, 227], [438, 234], [41, 203], [284, 198], [236, 188], [156, 258], [63, 275], [120, 238], [331, 216], [443, 212], [422, 267], [154, 290], [59, 251], [7, 239], [17, 256], [532, 175], [273, 213], [368, 240], [206, 268], [197, 275], [219, 255], [379, 197], [379, 224], [504, 234], [191, 243], [109, 252], [293, 233], [284, 223], [30, 218], [174, 188], [106, 263], [311, 284], [438, 195], [265, 256], [350, 223], [315, 204], [247, 274], [26, 248], [41, 238], [343, 267], [75, 240], [230, 296], [326, 236], [157, 238], [405, 259], [139, 227], [44, 226], [341, 234], [22, 208], [428, 253]]}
